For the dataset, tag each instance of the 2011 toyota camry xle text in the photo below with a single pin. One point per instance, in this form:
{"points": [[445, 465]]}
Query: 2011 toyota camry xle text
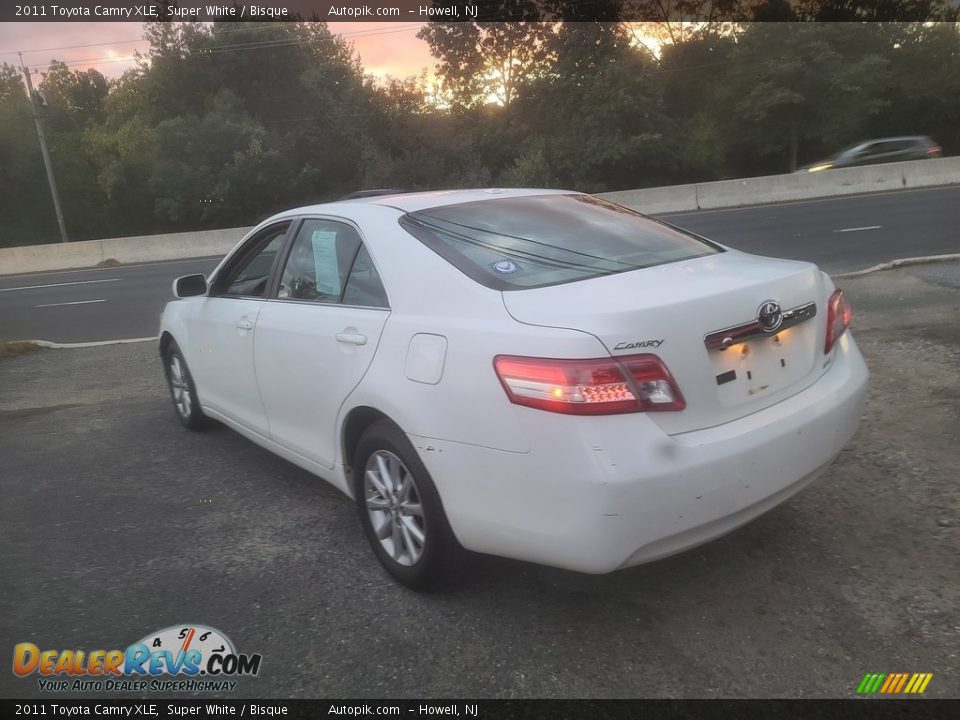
{"points": [[536, 374]]}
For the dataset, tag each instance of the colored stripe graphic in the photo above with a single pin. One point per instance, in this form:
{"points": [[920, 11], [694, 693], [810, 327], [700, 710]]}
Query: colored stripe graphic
{"points": [[894, 683], [918, 683], [870, 683], [892, 680]]}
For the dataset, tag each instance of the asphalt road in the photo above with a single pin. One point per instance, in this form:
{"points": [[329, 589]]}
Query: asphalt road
{"points": [[840, 234], [117, 522], [91, 305]]}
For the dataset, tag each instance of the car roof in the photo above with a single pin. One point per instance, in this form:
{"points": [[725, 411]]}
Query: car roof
{"points": [[891, 139], [901, 137], [850, 148], [411, 202]]}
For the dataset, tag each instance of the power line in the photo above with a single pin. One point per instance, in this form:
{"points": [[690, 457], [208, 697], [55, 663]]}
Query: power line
{"points": [[68, 47]]}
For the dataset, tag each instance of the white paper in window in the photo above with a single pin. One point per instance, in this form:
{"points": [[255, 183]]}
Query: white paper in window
{"points": [[325, 262]]}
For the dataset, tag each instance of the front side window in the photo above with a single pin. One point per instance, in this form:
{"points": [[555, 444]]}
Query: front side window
{"points": [[523, 242], [249, 276], [319, 261]]}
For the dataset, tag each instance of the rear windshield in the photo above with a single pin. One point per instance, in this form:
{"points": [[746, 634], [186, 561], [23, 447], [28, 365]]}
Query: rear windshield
{"points": [[526, 242]]}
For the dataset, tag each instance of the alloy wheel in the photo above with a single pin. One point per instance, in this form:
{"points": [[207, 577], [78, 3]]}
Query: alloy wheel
{"points": [[394, 507], [180, 386]]}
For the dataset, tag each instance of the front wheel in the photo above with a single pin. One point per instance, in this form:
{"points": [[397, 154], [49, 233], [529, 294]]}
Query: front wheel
{"points": [[182, 389], [401, 512]]}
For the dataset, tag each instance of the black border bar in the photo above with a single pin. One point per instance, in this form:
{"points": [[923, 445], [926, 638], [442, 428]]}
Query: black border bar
{"points": [[847, 709], [478, 10]]}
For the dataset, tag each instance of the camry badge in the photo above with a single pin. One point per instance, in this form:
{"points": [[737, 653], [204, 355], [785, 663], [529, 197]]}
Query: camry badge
{"points": [[770, 316], [625, 345]]}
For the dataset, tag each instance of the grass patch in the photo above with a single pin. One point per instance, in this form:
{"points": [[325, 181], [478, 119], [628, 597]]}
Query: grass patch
{"points": [[13, 349]]}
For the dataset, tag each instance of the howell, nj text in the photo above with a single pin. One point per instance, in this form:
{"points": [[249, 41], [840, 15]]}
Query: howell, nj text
{"points": [[451, 11], [468, 710]]}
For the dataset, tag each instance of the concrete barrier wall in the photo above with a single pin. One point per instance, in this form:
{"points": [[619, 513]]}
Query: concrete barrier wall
{"points": [[142, 248], [676, 198], [152, 248], [796, 186], [657, 200]]}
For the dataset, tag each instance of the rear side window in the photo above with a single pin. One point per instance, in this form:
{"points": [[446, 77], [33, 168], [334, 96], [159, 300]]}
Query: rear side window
{"points": [[364, 286], [328, 263], [535, 241]]}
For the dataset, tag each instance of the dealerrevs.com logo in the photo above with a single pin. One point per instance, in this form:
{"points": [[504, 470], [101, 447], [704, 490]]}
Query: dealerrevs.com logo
{"points": [[196, 657]]}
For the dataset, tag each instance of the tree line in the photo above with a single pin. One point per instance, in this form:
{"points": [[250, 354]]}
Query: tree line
{"points": [[221, 125]]}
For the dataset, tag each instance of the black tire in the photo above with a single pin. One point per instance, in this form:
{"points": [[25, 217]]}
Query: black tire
{"points": [[440, 557], [183, 391]]}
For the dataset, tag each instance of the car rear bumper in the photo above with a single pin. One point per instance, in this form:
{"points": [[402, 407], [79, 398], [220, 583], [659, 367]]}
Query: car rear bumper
{"points": [[595, 494]]}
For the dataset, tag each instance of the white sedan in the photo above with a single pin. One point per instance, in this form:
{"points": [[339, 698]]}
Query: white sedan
{"points": [[534, 374]]}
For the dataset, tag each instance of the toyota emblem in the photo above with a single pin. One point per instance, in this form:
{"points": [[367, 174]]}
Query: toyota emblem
{"points": [[770, 316]]}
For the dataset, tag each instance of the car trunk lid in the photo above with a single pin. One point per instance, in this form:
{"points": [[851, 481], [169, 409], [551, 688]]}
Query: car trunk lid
{"points": [[700, 316]]}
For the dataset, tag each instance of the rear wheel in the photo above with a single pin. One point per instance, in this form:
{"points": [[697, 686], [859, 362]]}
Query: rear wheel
{"points": [[401, 512], [182, 389]]}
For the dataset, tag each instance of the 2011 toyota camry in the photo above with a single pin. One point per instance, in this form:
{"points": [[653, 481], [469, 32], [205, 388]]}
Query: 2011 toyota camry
{"points": [[535, 374]]}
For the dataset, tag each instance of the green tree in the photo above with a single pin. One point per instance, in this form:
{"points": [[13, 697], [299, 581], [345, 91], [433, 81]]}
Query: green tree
{"points": [[71, 102], [73, 98], [25, 204], [874, 10], [418, 146], [791, 86], [291, 106], [479, 62], [924, 84], [221, 124], [691, 76], [596, 118]]}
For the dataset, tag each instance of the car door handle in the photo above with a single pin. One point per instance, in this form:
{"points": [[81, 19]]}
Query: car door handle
{"points": [[245, 325], [351, 338]]}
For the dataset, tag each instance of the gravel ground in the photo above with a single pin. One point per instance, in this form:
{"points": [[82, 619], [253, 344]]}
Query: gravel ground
{"points": [[117, 522]]}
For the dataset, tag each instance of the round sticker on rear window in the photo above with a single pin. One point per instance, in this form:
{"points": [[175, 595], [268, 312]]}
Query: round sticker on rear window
{"points": [[505, 267]]}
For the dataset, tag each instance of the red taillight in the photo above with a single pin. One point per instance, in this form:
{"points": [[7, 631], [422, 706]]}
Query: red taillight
{"points": [[934, 150], [604, 386], [839, 316]]}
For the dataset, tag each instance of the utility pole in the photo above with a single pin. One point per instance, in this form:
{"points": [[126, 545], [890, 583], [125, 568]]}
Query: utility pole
{"points": [[48, 166]]}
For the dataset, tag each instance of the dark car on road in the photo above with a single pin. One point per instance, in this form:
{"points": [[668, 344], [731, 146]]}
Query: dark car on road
{"points": [[884, 150]]}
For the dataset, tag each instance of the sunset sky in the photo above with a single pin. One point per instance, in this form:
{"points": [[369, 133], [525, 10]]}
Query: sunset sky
{"points": [[384, 48]]}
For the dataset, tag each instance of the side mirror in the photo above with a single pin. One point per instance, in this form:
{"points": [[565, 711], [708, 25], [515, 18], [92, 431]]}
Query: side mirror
{"points": [[189, 286]]}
